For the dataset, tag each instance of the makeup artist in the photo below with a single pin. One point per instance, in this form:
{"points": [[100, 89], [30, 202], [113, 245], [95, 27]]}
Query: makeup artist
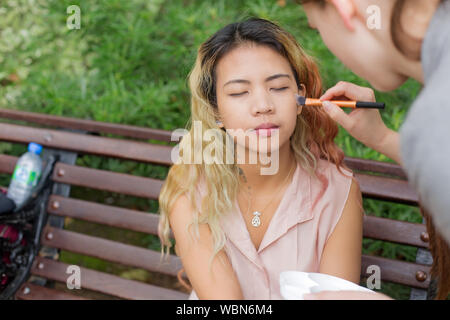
{"points": [[412, 42]]}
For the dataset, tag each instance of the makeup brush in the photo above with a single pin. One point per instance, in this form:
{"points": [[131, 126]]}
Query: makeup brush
{"points": [[343, 104]]}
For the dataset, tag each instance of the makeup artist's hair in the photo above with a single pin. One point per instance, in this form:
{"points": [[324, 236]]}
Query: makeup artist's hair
{"points": [[313, 136], [439, 248]]}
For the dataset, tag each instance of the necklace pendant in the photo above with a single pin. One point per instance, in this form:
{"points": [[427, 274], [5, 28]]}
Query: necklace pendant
{"points": [[256, 221]]}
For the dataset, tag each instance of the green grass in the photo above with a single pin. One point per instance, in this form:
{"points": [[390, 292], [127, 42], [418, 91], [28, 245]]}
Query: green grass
{"points": [[129, 63]]}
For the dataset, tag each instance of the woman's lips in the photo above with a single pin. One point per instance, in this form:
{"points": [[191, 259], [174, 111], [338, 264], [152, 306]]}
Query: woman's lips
{"points": [[266, 131]]}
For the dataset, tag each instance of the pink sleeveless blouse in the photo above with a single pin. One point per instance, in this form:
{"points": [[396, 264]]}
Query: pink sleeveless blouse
{"points": [[295, 237]]}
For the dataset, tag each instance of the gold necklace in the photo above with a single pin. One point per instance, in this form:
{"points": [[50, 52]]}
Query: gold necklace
{"points": [[256, 221]]}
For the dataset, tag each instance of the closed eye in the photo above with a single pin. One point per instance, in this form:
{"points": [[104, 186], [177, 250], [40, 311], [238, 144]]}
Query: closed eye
{"points": [[238, 94], [280, 89]]}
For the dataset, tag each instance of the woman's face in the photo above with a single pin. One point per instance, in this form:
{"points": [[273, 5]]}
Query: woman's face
{"points": [[255, 85]]}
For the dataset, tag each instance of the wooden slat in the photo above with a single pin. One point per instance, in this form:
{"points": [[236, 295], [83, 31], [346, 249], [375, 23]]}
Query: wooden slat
{"points": [[104, 214], [110, 250], [396, 271], [394, 231], [105, 283], [375, 166], [391, 270], [87, 125], [96, 179], [375, 187], [7, 163], [82, 143], [374, 227], [107, 180], [387, 189], [30, 291]]}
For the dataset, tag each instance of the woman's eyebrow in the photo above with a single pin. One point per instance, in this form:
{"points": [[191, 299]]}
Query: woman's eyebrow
{"points": [[275, 76], [237, 81]]}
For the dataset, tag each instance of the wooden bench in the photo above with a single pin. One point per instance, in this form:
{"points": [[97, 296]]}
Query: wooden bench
{"points": [[72, 138]]}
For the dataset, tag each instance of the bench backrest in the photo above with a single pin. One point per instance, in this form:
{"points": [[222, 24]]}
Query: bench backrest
{"points": [[377, 180]]}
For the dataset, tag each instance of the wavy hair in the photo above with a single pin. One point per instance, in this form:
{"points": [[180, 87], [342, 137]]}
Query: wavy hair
{"points": [[312, 139]]}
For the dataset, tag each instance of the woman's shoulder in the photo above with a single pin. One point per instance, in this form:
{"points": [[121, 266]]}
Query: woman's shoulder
{"points": [[331, 193], [330, 170], [332, 185]]}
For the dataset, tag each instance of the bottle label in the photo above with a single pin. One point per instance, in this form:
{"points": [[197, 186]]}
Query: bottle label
{"points": [[25, 176]]}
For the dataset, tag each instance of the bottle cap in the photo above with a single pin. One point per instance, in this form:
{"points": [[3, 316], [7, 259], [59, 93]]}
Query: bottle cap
{"points": [[35, 148]]}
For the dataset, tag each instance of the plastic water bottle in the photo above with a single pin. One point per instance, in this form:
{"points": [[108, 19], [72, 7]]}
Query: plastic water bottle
{"points": [[26, 175]]}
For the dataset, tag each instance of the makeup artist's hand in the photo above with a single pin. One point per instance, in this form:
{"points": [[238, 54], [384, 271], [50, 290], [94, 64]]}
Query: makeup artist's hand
{"points": [[364, 125]]}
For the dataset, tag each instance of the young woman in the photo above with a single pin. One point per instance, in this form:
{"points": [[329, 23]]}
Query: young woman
{"points": [[412, 41], [235, 228]]}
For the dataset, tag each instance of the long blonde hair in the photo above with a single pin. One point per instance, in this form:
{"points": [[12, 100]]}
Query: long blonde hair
{"points": [[313, 137]]}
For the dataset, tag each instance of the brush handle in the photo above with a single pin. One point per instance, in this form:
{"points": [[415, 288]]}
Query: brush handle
{"points": [[346, 104], [370, 105], [359, 104]]}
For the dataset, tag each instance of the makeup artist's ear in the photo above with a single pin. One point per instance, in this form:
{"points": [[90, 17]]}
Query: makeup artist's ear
{"points": [[347, 10]]}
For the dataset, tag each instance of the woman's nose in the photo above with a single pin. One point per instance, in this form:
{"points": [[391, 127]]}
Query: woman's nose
{"points": [[264, 109], [263, 106]]}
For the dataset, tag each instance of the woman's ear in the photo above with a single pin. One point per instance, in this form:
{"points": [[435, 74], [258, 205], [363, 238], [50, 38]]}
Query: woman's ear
{"points": [[347, 10], [302, 90]]}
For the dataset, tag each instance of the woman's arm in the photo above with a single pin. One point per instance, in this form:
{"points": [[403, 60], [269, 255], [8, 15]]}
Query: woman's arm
{"points": [[341, 256], [389, 145], [221, 282]]}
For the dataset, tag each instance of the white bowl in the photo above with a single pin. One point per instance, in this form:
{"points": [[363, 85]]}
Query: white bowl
{"points": [[293, 284]]}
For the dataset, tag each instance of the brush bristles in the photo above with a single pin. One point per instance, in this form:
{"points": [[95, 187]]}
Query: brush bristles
{"points": [[301, 100]]}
